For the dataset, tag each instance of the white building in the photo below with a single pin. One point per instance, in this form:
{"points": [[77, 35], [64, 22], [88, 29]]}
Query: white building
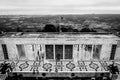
{"points": [[64, 54]]}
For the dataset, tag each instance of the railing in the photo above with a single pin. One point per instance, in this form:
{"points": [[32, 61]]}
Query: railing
{"points": [[61, 66]]}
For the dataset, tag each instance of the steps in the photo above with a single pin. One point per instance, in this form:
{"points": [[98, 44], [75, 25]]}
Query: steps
{"points": [[118, 77], [3, 76]]}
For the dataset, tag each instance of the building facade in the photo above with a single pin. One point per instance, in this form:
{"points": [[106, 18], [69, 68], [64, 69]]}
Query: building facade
{"points": [[60, 54]]}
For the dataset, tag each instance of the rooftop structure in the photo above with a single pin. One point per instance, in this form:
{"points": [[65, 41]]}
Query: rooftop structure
{"points": [[57, 35]]}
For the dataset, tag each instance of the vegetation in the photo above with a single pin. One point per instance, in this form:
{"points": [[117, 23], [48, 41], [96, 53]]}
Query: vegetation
{"points": [[66, 23], [5, 68]]}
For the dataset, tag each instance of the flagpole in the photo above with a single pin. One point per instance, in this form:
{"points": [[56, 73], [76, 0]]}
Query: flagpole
{"points": [[60, 25]]}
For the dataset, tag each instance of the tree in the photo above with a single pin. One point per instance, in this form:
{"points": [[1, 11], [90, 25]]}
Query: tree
{"points": [[87, 30], [50, 28]]}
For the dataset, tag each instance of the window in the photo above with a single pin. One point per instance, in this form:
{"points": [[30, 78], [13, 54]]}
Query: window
{"points": [[59, 51], [21, 51], [88, 52], [113, 50], [29, 53], [88, 48], [49, 52], [96, 51], [68, 51], [56, 52], [4, 47]]}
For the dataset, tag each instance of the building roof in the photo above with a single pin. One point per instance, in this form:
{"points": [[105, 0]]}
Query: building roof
{"points": [[57, 35]]}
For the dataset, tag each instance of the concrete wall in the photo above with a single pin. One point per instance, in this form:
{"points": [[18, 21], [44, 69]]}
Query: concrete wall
{"points": [[1, 53], [77, 42], [117, 56]]}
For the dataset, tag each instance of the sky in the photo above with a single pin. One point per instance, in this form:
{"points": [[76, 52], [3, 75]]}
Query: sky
{"points": [[47, 7]]}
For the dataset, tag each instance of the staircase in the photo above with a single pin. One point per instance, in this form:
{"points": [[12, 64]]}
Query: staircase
{"points": [[118, 77], [3, 76]]}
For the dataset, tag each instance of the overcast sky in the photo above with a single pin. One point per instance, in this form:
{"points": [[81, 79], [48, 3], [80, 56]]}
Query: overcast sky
{"points": [[59, 7]]}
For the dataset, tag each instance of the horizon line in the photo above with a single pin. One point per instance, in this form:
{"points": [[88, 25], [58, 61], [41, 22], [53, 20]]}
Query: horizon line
{"points": [[66, 14]]}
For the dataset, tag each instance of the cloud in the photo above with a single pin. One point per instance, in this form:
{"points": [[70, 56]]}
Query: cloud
{"points": [[59, 6]]}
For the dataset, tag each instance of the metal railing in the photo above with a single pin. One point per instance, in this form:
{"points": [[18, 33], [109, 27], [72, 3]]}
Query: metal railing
{"points": [[60, 66]]}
